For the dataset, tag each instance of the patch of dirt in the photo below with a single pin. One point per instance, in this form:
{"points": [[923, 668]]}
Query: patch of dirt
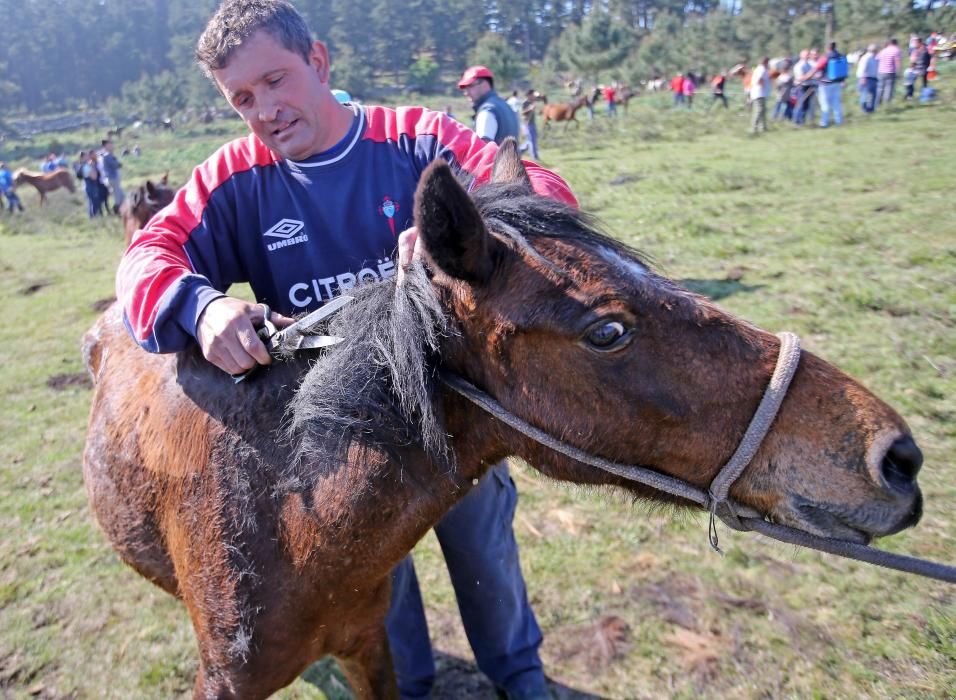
{"points": [[674, 598], [11, 668], [700, 652], [33, 288], [61, 382], [101, 305], [593, 646]]}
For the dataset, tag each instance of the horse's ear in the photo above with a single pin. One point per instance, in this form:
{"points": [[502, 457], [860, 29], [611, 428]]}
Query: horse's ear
{"points": [[165, 180], [508, 166], [450, 226], [150, 189]]}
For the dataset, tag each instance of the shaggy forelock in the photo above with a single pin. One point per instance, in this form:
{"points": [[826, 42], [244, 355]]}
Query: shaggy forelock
{"points": [[376, 389]]}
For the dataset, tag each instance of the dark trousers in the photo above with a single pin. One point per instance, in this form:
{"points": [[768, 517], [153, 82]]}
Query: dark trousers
{"points": [[868, 94], [718, 96], [805, 98], [782, 110], [885, 87], [533, 139], [13, 200], [94, 201], [478, 543]]}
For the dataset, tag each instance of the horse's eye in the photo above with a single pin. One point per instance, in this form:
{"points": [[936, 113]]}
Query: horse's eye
{"points": [[607, 335]]}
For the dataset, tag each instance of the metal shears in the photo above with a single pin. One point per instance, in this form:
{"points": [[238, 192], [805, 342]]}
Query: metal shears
{"points": [[296, 336]]}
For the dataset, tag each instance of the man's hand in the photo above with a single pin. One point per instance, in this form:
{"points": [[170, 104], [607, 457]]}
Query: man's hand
{"points": [[227, 335], [409, 249]]}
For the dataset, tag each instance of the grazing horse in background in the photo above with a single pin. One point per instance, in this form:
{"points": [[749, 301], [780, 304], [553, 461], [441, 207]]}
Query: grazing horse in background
{"points": [[625, 95], [565, 111], [143, 203], [276, 508], [46, 182]]}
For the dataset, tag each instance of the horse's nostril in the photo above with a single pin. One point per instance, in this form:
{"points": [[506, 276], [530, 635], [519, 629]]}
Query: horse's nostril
{"points": [[902, 463]]}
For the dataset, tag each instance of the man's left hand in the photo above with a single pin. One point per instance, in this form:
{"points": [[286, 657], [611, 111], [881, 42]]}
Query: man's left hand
{"points": [[409, 249]]}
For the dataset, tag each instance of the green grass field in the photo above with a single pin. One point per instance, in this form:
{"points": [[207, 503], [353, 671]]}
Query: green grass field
{"points": [[845, 236]]}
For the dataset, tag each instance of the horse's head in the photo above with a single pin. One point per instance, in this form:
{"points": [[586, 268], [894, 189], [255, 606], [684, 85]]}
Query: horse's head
{"points": [[573, 332], [18, 178], [143, 204]]}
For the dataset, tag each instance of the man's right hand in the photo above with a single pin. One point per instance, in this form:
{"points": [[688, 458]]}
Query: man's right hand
{"points": [[227, 335]]}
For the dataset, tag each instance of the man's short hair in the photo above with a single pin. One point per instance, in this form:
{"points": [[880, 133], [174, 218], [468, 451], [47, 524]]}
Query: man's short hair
{"points": [[237, 20], [105, 141]]}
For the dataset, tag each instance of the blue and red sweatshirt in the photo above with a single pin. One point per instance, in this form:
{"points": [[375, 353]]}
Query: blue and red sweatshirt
{"points": [[298, 232]]}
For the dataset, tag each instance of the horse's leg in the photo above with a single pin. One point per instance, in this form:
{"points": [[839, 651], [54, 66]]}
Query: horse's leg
{"points": [[370, 672]]}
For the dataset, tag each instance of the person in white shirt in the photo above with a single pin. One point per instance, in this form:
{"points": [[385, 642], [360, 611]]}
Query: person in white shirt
{"points": [[867, 73], [759, 89]]}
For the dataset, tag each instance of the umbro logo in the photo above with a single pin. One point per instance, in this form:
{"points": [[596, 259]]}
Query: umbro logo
{"points": [[285, 228], [289, 231]]}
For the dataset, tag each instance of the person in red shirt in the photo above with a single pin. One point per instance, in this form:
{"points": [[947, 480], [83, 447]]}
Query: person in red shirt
{"points": [[677, 87], [610, 96]]}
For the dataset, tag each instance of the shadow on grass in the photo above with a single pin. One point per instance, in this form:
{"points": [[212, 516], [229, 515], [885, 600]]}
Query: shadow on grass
{"points": [[718, 289], [455, 679]]}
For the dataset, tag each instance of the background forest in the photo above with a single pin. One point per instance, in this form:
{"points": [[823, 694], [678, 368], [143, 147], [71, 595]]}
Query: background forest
{"points": [[135, 59]]}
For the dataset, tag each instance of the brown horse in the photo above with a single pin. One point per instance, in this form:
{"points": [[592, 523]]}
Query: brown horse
{"points": [[625, 96], [143, 203], [46, 182], [565, 111], [277, 508]]}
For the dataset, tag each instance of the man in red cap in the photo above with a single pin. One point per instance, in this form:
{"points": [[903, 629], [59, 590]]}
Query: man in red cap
{"points": [[494, 119]]}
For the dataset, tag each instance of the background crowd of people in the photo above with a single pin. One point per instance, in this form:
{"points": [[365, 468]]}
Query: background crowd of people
{"points": [[97, 169]]}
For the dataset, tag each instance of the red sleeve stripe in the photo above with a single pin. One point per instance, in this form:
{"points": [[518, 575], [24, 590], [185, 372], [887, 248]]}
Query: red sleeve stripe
{"points": [[474, 155], [157, 259]]}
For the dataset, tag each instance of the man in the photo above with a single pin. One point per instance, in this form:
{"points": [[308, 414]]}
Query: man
{"points": [[920, 58], [494, 119], [867, 78], [759, 90], [806, 86], [110, 167], [889, 63], [49, 165], [8, 190], [784, 87], [832, 71], [307, 206], [718, 85]]}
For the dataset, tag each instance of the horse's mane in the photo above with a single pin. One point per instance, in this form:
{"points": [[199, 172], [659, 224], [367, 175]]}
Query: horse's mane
{"points": [[378, 388]]}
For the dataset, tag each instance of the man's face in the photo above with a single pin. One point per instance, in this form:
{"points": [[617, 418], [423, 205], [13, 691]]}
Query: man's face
{"points": [[476, 90], [285, 101]]}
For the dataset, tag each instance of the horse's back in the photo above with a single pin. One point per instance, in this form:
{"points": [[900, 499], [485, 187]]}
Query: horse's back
{"points": [[133, 457]]}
